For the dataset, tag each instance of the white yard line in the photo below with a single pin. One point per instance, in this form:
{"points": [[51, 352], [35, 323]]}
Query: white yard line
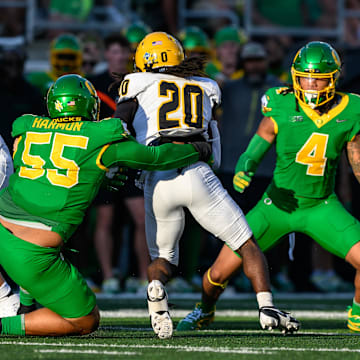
{"points": [[229, 294], [64, 351], [240, 350], [300, 314]]}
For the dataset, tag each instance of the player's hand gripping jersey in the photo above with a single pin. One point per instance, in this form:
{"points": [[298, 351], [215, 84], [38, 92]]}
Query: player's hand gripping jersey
{"points": [[169, 105], [308, 145]]}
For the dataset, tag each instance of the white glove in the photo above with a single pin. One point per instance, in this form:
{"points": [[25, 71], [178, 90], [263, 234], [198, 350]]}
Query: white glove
{"points": [[272, 318]]}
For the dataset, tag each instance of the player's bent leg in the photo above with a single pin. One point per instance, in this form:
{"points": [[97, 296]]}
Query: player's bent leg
{"points": [[255, 266], [214, 283], [44, 322]]}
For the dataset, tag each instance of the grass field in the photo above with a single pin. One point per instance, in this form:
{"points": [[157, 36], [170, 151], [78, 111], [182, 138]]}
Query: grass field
{"points": [[125, 332]]}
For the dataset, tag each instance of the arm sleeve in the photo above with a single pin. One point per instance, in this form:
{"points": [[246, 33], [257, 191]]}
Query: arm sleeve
{"points": [[251, 158], [134, 155], [126, 112]]}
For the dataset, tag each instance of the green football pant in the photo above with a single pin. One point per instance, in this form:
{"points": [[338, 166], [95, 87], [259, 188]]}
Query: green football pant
{"points": [[46, 275], [326, 221]]}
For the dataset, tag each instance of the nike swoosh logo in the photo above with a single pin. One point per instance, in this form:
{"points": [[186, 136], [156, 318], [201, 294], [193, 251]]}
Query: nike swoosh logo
{"points": [[340, 121]]}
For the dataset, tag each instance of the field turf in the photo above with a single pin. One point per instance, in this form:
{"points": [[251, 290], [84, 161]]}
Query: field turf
{"points": [[125, 333]]}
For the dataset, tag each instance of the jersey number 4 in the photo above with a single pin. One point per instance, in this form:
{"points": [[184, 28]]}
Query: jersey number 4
{"points": [[313, 153], [56, 143], [190, 98]]}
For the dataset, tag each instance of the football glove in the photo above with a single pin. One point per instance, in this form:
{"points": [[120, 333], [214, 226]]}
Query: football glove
{"points": [[272, 318], [242, 180], [114, 178], [204, 149]]}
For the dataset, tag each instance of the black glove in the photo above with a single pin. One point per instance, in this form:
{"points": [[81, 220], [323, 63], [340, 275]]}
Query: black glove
{"points": [[114, 178], [204, 149]]}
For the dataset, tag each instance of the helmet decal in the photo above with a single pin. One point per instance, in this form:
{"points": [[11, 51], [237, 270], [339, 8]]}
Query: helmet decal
{"points": [[58, 106]]}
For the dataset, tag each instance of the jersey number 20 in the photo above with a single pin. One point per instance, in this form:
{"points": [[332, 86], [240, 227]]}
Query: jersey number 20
{"points": [[190, 98], [58, 142], [313, 153]]}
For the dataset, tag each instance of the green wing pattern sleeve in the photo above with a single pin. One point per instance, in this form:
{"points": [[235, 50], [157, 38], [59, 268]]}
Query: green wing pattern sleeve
{"points": [[132, 154]]}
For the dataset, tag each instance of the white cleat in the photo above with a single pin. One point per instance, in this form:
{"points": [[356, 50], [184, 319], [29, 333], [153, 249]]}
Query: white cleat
{"points": [[159, 310], [272, 318], [162, 324], [9, 305]]}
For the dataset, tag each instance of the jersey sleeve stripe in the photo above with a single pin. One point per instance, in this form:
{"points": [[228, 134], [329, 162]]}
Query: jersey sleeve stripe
{"points": [[98, 159], [276, 128]]}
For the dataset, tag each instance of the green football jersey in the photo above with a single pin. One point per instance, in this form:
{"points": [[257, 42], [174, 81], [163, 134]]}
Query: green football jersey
{"points": [[63, 159], [309, 145], [60, 164]]}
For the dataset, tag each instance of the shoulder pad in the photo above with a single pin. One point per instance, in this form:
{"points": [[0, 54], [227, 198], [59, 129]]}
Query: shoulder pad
{"points": [[114, 125], [134, 84]]}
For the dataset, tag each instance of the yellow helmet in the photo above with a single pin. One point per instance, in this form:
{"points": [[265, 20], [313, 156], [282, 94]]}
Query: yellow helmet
{"points": [[158, 50]]}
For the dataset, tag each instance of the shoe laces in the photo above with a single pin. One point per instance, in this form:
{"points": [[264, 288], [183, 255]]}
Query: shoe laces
{"points": [[196, 314]]}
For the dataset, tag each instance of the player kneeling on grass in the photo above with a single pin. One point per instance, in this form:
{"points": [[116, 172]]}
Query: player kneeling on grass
{"points": [[170, 99], [310, 124], [60, 162]]}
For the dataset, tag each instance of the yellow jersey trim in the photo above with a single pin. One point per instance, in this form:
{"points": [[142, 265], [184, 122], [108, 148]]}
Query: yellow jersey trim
{"points": [[276, 128], [15, 146], [98, 159], [321, 120]]}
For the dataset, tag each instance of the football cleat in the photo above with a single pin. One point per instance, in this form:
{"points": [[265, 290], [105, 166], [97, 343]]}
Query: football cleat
{"points": [[159, 310], [162, 324], [272, 318], [353, 322], [197, 319], [9, 305]]}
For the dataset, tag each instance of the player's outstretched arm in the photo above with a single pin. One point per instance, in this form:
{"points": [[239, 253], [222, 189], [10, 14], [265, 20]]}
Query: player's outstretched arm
{"points": [[251, 158], [353, 150], [164, 157]]}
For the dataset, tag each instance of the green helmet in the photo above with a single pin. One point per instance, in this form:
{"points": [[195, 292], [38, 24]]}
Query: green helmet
{"points": [[65, 55], [135, 33], [230, 33], [194, 39], [317, 60], [73, 96]]}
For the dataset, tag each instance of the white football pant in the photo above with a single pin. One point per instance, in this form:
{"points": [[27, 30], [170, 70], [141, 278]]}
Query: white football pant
{"points": [[197, 188]]}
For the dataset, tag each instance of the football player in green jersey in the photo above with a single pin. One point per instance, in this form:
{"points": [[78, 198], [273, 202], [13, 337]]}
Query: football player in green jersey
{"points": [[310, 124], [65, 58], [60, 162]]}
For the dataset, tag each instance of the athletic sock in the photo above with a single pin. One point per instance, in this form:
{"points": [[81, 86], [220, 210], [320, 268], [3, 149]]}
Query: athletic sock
{"points": [[264, 298], [206, 307], [355, 308], [25, 298], [13, 325], [5, 290]]}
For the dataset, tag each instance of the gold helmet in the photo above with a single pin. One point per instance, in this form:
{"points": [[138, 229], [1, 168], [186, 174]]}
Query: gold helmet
{"points": [[65, 55], [158, 50]]}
